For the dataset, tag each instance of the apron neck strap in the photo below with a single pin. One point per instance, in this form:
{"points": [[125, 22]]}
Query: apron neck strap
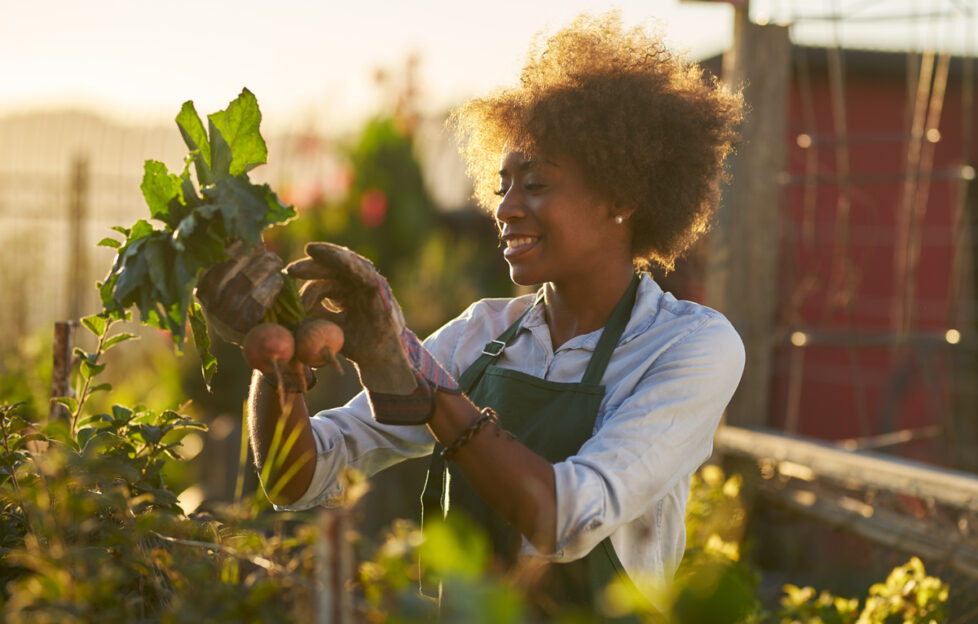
{"points": [[611, 334], [599, 359], [492, 350]]}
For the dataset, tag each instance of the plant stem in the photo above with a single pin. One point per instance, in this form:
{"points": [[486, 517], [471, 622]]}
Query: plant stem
{"points": [[258, 560], [84, 393], [4, 413]]}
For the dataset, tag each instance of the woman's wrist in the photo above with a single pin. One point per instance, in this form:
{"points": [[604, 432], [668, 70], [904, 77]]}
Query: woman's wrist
{"points": [[456, 421], [289, 381], [453, 413], [487, 416]]}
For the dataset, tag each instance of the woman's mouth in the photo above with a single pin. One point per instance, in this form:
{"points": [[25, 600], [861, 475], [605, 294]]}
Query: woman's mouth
{"points": [[518, 245]]}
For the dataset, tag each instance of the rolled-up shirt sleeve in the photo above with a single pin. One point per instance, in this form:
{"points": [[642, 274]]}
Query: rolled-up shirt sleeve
{"points": [[662, 432], [348, 436]]}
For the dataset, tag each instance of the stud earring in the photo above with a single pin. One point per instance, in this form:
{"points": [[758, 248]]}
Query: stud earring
{"points": [[619, 219]]}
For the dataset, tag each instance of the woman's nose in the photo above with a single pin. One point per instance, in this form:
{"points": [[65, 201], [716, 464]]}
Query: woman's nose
{"points": [[510, 207]]}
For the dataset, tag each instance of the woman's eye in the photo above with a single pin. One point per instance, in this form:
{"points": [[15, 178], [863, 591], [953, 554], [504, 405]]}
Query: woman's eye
{"points": [[533, 186], [499, 192]]}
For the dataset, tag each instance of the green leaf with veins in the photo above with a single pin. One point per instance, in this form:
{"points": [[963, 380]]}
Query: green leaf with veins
{"points": [[242, 206], [220, 153], [277, 211], [194, 135], [95, 324], [238, 127], [161, 189]]}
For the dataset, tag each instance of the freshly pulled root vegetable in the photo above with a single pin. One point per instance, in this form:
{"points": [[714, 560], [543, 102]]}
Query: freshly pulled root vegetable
{"points": [[268, 347], [317, 341]]}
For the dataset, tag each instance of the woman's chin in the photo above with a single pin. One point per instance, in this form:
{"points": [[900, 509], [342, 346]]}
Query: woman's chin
{"points": [[521, 276]]}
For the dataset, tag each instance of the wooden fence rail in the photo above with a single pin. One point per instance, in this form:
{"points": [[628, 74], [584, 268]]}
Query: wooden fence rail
{"points": [[841, 488]]}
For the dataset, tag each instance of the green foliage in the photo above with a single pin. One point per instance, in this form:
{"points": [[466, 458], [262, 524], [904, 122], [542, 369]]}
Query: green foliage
{"points": [[156, 269], [908, 596], [715, 515], [389, 212], [800, 604], [25, 374], [712, 584], [89, 530], [400, 580]]}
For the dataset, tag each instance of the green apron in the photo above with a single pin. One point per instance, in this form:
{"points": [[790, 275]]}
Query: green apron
{"points": [[551, 418]]}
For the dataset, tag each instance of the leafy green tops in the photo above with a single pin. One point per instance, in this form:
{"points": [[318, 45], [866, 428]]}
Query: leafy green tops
{"points": [[157, 264]]}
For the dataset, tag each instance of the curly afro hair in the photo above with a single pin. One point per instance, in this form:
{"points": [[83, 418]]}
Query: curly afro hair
{"points": [[649, 130]]}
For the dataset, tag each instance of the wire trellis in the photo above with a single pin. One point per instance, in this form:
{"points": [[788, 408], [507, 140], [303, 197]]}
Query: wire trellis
{"points": [[832, 241]]}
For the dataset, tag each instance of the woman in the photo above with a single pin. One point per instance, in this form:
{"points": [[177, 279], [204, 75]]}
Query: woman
{"points": [[570, 419]]}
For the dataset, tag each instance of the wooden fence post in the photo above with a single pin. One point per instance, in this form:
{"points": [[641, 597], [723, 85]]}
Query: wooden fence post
{"points": [[335, 568], [61, 369], [742, 271]]}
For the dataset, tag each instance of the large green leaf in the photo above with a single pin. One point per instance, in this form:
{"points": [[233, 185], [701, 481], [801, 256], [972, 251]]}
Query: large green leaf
{"points": [[188, 191], [221, 156], [132, 276], [192, 130], [160, 188], [278, 212], [201, 237], [238, 125], [158, 264], [242, 206]]}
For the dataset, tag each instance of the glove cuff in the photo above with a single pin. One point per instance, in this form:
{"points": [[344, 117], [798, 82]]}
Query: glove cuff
{"points": [[404, 409], [425, 364]]}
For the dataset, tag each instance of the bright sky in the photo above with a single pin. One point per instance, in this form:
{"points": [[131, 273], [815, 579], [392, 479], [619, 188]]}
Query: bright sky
{"points": [[312, 61]]}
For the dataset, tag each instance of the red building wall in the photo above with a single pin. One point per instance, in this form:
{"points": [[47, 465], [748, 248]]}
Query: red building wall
{"points": [[841, 277]]}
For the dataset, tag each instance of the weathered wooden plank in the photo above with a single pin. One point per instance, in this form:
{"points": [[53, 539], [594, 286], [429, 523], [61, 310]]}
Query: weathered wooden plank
{"points": [[883, 527], [854, 469]]}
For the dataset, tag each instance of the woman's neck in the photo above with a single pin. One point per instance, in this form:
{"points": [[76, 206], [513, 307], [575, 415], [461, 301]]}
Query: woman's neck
{"points": [[579, 307]]}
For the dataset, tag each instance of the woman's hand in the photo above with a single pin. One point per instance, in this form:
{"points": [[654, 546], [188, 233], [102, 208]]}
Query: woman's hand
{"points": [[398, 372]]}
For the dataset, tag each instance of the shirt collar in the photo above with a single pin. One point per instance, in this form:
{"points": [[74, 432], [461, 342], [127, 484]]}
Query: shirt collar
{"points": [[647, 301]]}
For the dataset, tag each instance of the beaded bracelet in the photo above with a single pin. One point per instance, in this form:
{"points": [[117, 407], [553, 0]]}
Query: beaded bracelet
{"points": [[486, 415]]}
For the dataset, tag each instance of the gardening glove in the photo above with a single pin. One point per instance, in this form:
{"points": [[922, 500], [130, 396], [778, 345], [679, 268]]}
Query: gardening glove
{"points": [[399, 374], [235, 296]]}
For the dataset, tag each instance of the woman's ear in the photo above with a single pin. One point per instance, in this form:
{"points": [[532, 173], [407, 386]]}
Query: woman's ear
{"points": [[620, 212]]}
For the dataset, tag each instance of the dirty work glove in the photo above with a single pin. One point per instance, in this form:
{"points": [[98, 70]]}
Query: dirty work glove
{"points": [[236, 294], [399, 374]]}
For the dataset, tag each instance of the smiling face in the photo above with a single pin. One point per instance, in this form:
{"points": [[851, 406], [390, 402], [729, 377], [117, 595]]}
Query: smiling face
{"points": [[554, 228]]}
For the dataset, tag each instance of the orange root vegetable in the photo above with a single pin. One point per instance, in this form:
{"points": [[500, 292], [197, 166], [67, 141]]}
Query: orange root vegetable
{"points": [[317, 341], [268, 346]]}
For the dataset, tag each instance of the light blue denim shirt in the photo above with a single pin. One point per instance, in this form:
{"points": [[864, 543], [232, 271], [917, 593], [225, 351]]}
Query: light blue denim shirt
{"points": [[668, 382]]}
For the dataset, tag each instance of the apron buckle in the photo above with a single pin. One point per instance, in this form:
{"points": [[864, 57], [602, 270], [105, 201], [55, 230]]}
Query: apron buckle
{"points": [[494, 348]]}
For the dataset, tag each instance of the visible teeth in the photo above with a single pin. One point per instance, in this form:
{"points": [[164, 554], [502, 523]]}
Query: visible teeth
{"points": [[519, 242]]}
